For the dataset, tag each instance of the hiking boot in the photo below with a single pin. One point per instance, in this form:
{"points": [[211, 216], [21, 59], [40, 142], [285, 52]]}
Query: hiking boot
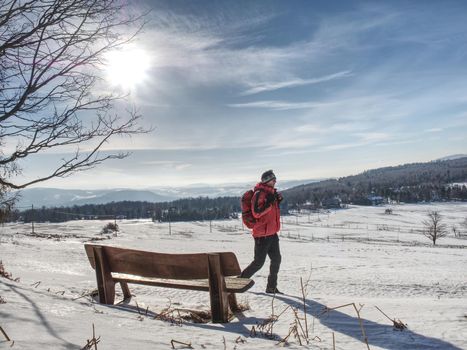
{"points": [[273, 291]]}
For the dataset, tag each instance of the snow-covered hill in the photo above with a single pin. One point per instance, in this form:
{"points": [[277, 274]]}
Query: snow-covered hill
{"points": [[358, 256]]}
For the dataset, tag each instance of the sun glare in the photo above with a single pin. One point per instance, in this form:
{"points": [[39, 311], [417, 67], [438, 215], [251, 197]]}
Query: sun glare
{"points": [[127, 67]]}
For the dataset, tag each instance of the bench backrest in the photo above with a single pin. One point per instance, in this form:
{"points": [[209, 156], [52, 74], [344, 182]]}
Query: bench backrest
{"points": [[161, 265]]}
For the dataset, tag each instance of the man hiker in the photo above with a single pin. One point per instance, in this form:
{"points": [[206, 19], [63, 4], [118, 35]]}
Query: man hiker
{"points": [[265, 210]]}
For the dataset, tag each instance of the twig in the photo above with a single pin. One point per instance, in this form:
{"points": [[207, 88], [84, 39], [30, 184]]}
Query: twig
{"points": [[383, 313], [240, 340], [397, 324], [272, 304], [296, 333], [4, 333], [266, 326], [304, 308], [272, 314], [365, 338], [137, 307], [97, 311], [285, 309], [36, 284], [283, 341], [92, 342], [94, 336], [361, 324], [173, 341], [293, 330], [297, 322], [306, 293], [86, 294], [333, 341], [196, 317]]}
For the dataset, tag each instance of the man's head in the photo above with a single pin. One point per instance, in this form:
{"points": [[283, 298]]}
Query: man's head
{"points": [[268, 178]]}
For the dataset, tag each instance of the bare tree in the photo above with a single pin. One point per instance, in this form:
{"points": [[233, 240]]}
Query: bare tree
{"points": [[50, 54], [464, 226], [455, 231], [433, 226]]}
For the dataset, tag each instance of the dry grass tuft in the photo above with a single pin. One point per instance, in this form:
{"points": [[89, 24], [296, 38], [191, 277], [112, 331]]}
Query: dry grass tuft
{"points": [[195, 316], [92, 342], [88, 293], [5, 274], [177, 316]]}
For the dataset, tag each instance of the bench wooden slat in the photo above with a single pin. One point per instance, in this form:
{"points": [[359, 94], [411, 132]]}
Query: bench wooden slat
{"points": [[161, 265], [233, 284]]}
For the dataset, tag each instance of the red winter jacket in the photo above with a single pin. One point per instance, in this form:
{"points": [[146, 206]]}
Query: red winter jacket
{"points": [[265, 209]]}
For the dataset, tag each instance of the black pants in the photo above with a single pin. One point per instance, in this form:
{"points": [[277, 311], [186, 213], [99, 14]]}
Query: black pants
{"points": [[268, 245]]}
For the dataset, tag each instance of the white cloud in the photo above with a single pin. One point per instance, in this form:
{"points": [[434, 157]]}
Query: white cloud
{"points": [[167, 164], [277, 105], [373, 136], [293, 143], [433, 130], [309, 128], [270, 86]]}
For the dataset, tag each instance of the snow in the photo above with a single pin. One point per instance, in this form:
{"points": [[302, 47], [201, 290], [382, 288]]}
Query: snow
{"points": [[357, 255]]}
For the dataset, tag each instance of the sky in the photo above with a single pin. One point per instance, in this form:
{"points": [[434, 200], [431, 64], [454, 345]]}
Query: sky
{"points": [[310, 89]]}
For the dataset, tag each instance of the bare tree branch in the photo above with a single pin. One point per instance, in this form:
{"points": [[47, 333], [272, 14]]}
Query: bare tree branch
{"points": [[50, 53]]}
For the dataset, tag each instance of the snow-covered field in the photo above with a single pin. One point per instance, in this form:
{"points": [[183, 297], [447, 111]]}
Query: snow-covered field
{"points": [[357, 255]]}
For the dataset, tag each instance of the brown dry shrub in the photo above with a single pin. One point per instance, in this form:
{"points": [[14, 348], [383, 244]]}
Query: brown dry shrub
{"points": [[6, 274], [110, 228]]}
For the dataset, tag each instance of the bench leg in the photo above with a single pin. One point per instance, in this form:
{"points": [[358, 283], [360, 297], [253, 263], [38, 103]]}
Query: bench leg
{"points": [[233, 302], [105, 284], [217, 293], [125, 290]]}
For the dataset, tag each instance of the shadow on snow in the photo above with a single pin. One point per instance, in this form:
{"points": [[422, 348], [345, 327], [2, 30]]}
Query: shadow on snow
{"points": [[381, 335]]}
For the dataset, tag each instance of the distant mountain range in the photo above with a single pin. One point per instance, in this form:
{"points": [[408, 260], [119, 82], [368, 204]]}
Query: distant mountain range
{"points": [[452, 157], [56, 197]]}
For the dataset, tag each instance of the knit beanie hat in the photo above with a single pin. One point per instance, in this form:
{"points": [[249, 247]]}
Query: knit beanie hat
{"points": [[267, 176]]}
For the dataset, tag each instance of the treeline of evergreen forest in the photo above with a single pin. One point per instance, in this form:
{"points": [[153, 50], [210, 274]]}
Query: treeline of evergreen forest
{"points": [[188, 209], [410, 183]]}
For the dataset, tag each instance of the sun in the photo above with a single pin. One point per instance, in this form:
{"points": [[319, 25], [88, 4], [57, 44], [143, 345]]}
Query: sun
{"points": [[127, 67]]}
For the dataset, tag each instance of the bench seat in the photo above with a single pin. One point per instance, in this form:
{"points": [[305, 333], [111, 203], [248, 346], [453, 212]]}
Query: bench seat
{"points": [[232, 284]]}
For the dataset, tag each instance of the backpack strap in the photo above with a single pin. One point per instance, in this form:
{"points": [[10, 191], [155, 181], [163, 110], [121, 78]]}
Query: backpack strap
{"points": [[257, 209]]}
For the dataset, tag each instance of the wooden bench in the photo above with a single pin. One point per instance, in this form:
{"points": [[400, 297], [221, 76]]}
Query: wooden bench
{"points": [[210, 272]]}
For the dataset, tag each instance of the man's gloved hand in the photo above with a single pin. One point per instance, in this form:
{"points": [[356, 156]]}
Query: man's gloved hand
{"points": [[279, 197], [270, 198]]}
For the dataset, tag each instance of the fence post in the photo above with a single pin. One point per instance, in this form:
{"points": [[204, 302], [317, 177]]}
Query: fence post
{"points": [[32, 218]]}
